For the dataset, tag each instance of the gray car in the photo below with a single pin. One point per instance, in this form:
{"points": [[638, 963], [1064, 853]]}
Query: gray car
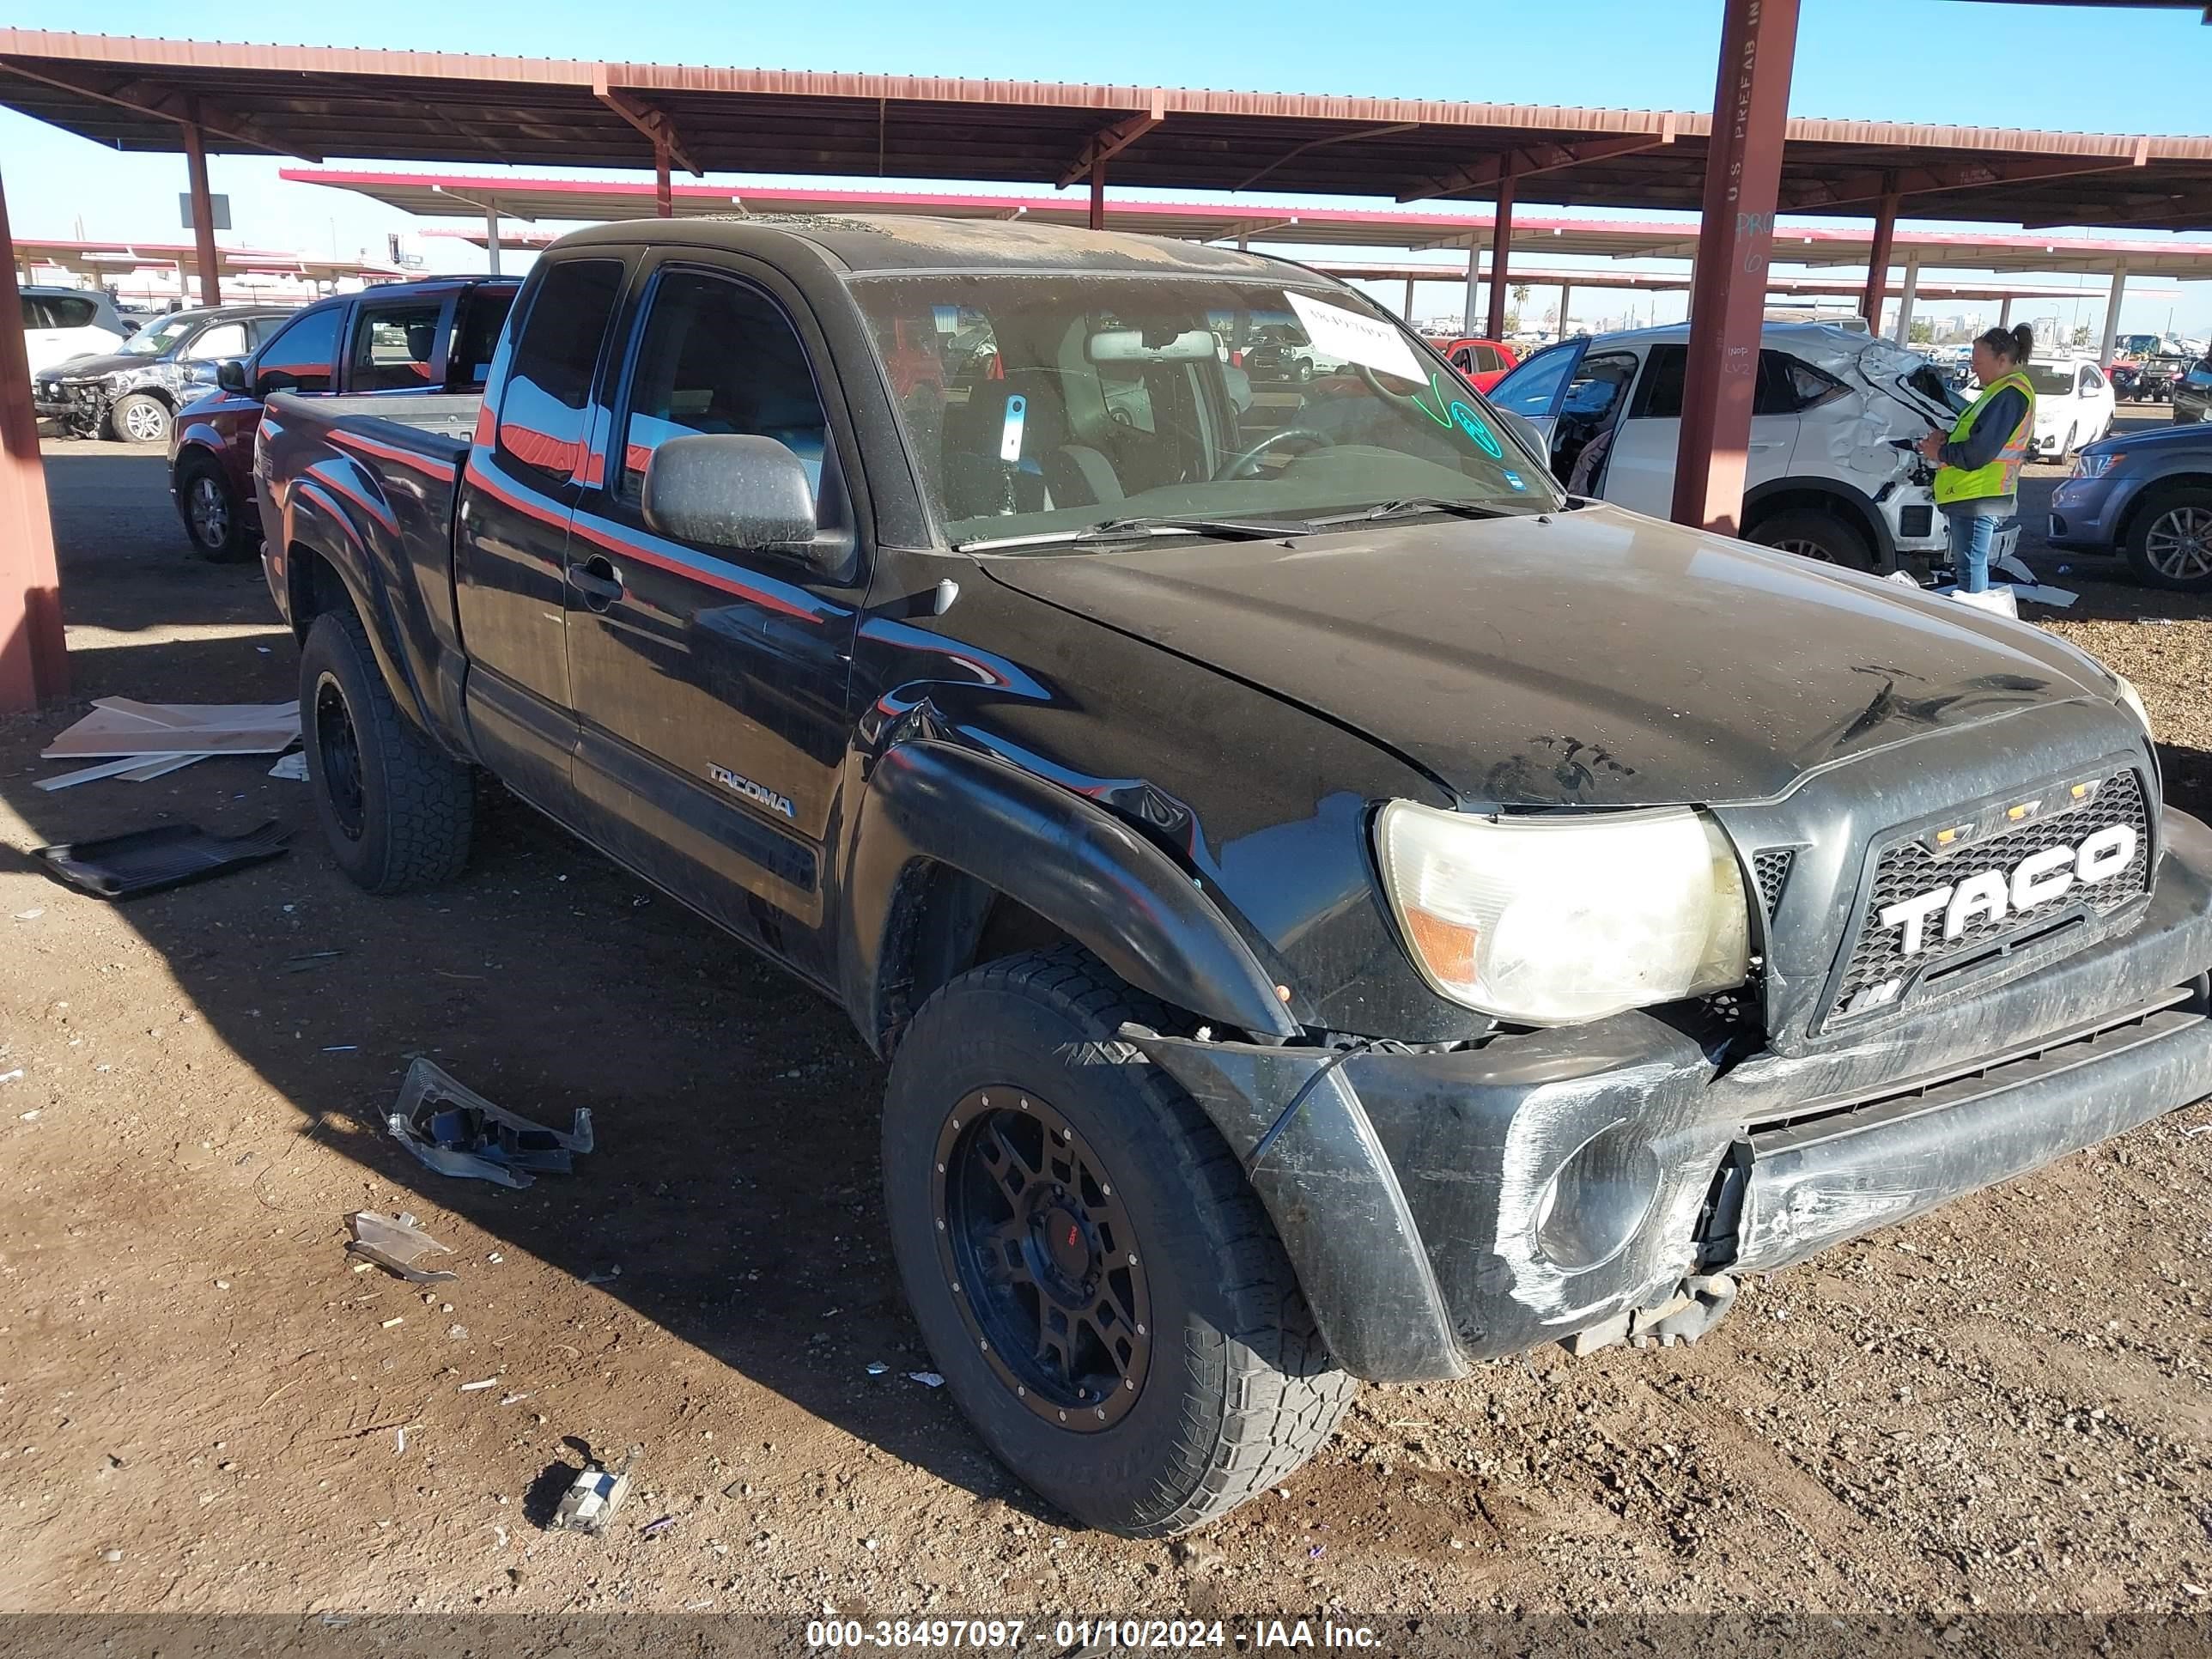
{"points": [[2147, 496]]}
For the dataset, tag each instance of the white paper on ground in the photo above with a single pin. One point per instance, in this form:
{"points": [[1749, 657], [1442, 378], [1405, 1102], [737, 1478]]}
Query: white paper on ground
{"points": [[1369, 341], [293, 766]]}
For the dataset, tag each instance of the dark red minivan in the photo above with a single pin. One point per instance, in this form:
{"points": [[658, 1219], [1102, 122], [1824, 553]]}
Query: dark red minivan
{"points": [[435, 335]]}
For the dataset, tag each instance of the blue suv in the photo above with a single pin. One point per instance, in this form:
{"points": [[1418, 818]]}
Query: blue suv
{"points": [[2147, 496]]}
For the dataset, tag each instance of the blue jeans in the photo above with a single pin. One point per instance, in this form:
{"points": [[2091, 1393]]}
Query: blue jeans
{"points": [[1973, 528]]}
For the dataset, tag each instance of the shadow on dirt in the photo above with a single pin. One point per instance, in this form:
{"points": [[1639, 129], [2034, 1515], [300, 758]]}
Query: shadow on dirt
{"points": [[733, 1200]]}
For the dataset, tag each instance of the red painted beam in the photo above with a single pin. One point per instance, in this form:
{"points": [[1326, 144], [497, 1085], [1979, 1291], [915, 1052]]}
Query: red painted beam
{"points": [[1877, 282], [33, 658], [203, 217], [1736, 238], [1501, 248]]}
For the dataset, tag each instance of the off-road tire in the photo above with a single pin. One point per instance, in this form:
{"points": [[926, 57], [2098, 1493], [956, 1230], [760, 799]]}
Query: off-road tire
{"points": [[416, 806], [2158, 515], [1240, 1389], [147, 413], [236, 541], [1813, 534]]}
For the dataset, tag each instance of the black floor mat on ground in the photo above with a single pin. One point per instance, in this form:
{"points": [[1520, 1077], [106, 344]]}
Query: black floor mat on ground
{"points": [[168, 855]]}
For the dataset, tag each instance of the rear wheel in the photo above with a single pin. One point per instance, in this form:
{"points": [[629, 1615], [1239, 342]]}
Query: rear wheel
{"points": [[397, 812], [139, 417], [1812, 534], [212, 514], [2170, 544], [1103, 1293]]}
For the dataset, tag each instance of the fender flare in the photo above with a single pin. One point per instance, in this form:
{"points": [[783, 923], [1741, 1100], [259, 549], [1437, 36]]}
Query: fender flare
{"points": [[1070, 861], [314, 523]]}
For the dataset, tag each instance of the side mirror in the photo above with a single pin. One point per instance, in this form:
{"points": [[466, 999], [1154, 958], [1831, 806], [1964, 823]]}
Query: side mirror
{"points": [[741, 491], [230, 374]]}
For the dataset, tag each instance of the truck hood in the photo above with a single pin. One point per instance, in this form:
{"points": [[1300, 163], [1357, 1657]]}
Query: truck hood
{"points": [[1594, 658]]}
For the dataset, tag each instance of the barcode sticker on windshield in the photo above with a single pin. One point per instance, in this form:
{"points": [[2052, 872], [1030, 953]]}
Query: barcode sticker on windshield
{"points": [[1367, 341]]}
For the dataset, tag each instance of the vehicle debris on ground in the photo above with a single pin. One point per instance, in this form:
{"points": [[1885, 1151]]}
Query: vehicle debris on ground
{"points": [[161, 856], [456, 1131], [397, 1244], [139, 742], [591, 1502]]}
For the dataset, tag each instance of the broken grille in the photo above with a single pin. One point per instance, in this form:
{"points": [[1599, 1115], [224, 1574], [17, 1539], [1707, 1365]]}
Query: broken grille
{"points": [[1908, 868]]}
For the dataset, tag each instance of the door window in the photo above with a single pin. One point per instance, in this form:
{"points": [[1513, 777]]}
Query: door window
{"points": [[542, 411], [1529, 389], [1484, 358], [393, 345], [1463, 361], [223, 340], [720, 356], [299, 358]]}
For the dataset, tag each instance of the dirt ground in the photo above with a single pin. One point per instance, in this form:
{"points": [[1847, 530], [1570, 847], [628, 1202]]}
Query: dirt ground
{"points": [[2005, 1407]]}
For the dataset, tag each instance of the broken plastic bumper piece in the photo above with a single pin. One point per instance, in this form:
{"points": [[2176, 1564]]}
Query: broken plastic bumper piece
{"points": [[456, 1131]]}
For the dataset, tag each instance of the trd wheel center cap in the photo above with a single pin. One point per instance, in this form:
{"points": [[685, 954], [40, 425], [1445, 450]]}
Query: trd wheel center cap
{"points": [[1066, 1242]]}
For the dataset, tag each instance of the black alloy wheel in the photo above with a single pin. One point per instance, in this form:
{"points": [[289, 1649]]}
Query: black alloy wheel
{"points": [[1041, 1251], [337, 745]]}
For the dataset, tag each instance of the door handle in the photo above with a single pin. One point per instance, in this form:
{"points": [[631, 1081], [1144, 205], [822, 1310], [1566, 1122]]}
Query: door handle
{"points": [[597, 580]]}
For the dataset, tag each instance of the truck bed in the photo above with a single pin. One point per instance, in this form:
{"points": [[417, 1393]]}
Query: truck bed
{"points": [[447, 418]]}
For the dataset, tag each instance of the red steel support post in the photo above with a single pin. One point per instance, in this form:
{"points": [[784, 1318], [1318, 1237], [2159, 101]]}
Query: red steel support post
{"points": [[33, 659], [664, 198], [1728, 307], [1098, 195], [203, 217], [1501, 245], [1877, 282]]}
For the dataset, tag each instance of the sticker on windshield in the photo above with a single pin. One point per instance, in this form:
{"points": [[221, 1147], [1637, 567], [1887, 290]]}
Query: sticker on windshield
{"points": [[1515, 480], [1451, 412], [1010, 438], [1367, 341]]}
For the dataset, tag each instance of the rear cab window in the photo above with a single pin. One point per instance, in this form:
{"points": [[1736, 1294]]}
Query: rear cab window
{"points": [[546, 402], [483, 316]]}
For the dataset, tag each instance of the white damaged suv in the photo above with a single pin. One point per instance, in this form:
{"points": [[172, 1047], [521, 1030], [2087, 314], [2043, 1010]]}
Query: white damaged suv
{"points": [[1825, 475]]}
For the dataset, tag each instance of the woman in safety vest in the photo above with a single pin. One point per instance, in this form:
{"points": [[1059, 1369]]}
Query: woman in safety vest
{"points": [[1977, 472]]}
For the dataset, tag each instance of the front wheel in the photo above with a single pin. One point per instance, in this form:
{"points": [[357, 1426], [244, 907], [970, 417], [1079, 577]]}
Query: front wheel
{"points": [[397, 812], [212, 517], [2170, 544], [140, 418], [1812, 534], [1103, 1291]]}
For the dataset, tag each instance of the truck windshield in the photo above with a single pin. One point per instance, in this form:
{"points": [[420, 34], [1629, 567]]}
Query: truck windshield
{"points": [[1040, 406]]}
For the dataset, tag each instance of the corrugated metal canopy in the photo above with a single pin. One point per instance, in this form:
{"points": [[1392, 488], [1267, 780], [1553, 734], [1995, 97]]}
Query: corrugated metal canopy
{"points": [[594, 201], [313, 102]]}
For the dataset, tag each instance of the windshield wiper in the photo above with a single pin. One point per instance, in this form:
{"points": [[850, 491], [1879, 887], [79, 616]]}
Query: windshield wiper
{"points": [[1247, 530], [1409, 504]]}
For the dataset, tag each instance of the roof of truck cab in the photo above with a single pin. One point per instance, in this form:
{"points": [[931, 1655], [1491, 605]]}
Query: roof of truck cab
{"points": [[866, 243]]}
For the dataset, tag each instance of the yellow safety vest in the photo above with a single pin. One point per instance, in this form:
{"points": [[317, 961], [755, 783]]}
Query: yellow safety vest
{"points": [[2002, 475]]}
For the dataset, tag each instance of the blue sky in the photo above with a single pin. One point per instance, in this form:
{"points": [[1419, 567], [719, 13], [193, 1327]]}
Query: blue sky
{"points": [[1938, 61]]}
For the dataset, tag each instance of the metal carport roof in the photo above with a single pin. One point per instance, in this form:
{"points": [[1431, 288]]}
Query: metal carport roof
{"points": [[313, 102]]}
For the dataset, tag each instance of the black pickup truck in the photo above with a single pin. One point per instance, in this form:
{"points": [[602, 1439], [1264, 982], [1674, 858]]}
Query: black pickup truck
{"points": [[1333, 906]]}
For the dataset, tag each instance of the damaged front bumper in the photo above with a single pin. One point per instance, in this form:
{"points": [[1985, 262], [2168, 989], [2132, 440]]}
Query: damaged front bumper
{"points": [[1442, 1208]]}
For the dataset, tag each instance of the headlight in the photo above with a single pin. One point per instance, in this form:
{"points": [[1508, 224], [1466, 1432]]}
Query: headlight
{"points": [[1554, 920], [2095, 466], [2133, 699]]}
